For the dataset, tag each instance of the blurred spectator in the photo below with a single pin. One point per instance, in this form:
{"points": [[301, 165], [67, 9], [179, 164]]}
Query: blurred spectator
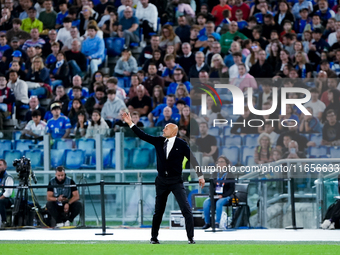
{"points": [[134, 84], [102, 5], [188, 58], [147, 14], [182, 94], [200, 65], [15, 46], [61, 96], [77, 107], [123, 6], [97, 125], [301, 5], [240, 5], [309, 123], [125, 67], [263, 152], [52, 58], [244, 80], [135, 117], [76, 94], [7, 99], [76, 59], [233, 69], [289, 115], [332, 83], [283, 14], [112, 84], [207, 145], [147, 52], [59, 126], [78, 82], [179, 78], [157, 96], [331, 130], [15, 65], [140, 103], [17, 32], [128, 27], [293, 151], [218, 10], [317, 106], [34, 41], [215, 49], [277, 154], [20, 90], [183, 30], [35, 128], [317, 46], [97, 101], [96, 77], [74, 35], [93, 48], [52, 38], [189, 123], [85, 17], [59, 72], [112, 106], [64, 34], [333, 97], [245, 129], [49, 16], [31, 21], [109, 21], [157, 112], [167, 112], [38, 72], [153, 79], [6, 20], [228, 38], [168, 37], [218, 68], [208, 29], [170, 68], [157, 60], [34, 105], [62, 4], [261, 69], [81, 125]]}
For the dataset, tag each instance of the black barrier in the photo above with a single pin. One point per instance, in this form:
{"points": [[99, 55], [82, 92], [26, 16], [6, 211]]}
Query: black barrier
{"points": [[102, 202]]}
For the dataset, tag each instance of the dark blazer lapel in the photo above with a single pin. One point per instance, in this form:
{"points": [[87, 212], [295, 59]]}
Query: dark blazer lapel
{"points": [[173, 148]]}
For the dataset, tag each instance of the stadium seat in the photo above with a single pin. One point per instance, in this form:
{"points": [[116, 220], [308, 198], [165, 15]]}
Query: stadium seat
{"points": [[233, 140], [16, 135], [10, 156], [126, 158], [318, 152], [64, 144], [88, 145], [250, 140], [317, 138], [74, 158], [219, 141], [90, 160], [140, 158], [246, 151], [232, 153], [334, 152], [108, 143], [5, 145], [23, 145], [36, 157], [106, 157], [228, 109], [250, 161], [214, 131], [226, 130], [144, 144], [57, 158], [130, 143]]}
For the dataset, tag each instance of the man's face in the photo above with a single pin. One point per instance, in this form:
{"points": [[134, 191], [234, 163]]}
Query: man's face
{"points": [[111, 97], [203, 129], [13, 77], [9, 4], [134, 81], [74, 32], [34, 102], [144, 2], [199, 59], [63, 7], [201, 20], [128, 13], [48, 5], [31, 52], [322, 5], [167, 112], [15, 44], [186, 49], [60, 176], [267, 21], [233, 27], [170, 63], [203, 76], [2, 166], [91, 33], [210, 28], [140, 92], [237, 59], [304, 15], [67, 25], [3, 40], [316, 20], [36, 119], [216, 48], [76, 81], [5, 12], [182, 21], [331, 118], [246, 114], [77, 93], [16, 27], [52, 35], [75, 46], [152, 69], [35, 33], [170, 101], [155, 41], [286, 140], [60, 91], [100, 94], [56, 112], [3, 82], [32, 14], [135, 118]]}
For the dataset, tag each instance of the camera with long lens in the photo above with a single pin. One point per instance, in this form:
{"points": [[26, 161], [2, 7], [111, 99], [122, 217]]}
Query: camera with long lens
{"points": [[23, 168]]}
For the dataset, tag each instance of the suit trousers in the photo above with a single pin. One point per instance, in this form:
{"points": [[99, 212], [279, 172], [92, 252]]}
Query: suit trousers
{"points": [[163, 188]]}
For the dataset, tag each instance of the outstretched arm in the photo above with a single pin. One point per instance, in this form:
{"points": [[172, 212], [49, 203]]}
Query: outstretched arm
{"points": [[142, 135]]}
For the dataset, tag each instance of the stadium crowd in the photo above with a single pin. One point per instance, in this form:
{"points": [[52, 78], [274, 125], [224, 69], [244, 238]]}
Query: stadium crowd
{"points": [[55, 50]]}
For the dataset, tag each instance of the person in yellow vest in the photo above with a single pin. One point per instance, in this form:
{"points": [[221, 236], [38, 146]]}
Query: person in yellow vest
{"points": [[31, 21]]}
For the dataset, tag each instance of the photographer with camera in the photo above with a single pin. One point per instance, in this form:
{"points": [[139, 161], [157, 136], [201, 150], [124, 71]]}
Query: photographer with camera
{"points": [[63, 202], [6, 194]]}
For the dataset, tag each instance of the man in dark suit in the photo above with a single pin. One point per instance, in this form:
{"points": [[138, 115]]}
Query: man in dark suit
{"points": [[170, 152]]}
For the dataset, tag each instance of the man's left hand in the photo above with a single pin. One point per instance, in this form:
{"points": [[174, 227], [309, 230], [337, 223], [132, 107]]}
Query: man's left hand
{"points": [[201, 182]]}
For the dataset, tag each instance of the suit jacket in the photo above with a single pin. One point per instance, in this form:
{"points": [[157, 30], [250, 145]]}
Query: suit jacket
{"points": [[173, 164]]}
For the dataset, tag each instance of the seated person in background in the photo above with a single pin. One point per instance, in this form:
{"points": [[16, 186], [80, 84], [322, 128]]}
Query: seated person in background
{"points": [[5, 193], [317, 106], [309, 123], [7, 99], [34, 105], [111, 83], [97, 125], [332, 217], [293, 151], [223, 192], [76, 59], [97, 101], [140, 103], [135, 117], [77, 81], [277, 155], [207, 144], [156, 113], [331, 130], [135, 81], [76, 94], [35, 128], [49, 115], [171, 66], [59, 126], [63, 202], [245, 129], [167, 112], [112, 106], [60, 95], [263, 152], [59, 72], [81, 126], [52, 58]]}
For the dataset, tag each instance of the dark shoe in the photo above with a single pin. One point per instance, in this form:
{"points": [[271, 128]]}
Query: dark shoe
{"points": [[217, 225], [191, 241], [206, 226], [154, 241]]}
